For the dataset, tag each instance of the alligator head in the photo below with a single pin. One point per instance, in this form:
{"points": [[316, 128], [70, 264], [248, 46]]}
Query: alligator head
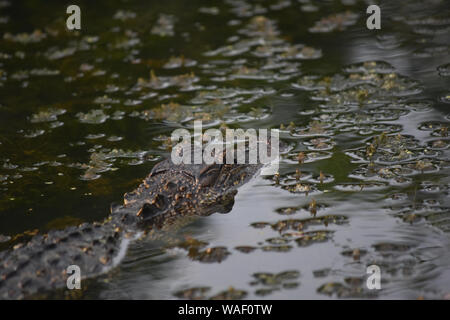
{"points": [[171, 190]]}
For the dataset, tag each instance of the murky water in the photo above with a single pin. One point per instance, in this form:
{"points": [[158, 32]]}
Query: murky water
{"points": [[85, 115]]}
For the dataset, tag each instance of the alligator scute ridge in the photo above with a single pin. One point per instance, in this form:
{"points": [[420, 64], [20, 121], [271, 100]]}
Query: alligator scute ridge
{"points": [[169, 191]]}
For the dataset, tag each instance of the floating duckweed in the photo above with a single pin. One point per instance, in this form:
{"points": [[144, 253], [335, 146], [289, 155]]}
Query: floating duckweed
{"points": [[118, 115], [439, 144], [281, 4], [102, 161], [265, 291], [311, 237], [335, 22], [129, 41], [184, 81], [114, 138], [197, 293], [305, 53], [209, 255], [105, 100], [244, 72], [47, 115], [319, 144], [230, 294], [260, 225], [55, 54], [25, 38], [130, 102], [44, 72], [34, 133], [164, 26], [278, 241], [276, 248], [190, 243], [310, 156], [314, 128], [29, 169], [301, 224], [301, 188], [95, 136], [245, 249], [271, 279], [178, 62], [332, 288], [322, 178], [287, 210], [94, 116], [370, 67], [359, 187], [20, 75], [309, 7], [209, 10], [56, 124], [124, 15]]}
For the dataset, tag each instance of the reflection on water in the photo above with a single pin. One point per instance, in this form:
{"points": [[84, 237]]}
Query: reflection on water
{"points": [[85, 115]]}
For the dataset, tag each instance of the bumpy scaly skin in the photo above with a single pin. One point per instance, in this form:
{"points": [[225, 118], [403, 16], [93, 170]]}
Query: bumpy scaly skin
{"points": [[170, 191]]}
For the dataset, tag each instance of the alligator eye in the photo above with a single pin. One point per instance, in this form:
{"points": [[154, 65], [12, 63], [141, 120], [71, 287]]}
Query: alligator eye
{"points": [[209, 175], [159, 201], [149, 210], [170, 186]]}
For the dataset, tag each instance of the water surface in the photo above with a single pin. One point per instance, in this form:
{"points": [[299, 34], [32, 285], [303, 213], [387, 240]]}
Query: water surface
{"points": [[85, 115]]}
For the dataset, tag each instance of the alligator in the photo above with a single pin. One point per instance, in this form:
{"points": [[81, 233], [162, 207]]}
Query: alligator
{"points": [[168, 192]]}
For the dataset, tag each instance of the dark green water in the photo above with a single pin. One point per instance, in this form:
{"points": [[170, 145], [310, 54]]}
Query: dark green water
{"points": [[84, 116]]}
